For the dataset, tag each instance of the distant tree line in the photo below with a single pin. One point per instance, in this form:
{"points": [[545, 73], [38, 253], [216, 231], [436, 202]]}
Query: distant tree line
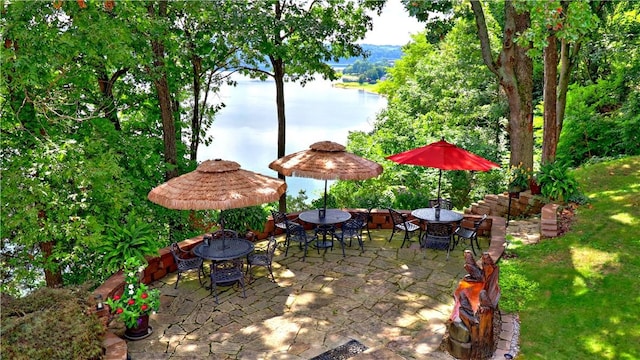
{"points": [[366, 71]]}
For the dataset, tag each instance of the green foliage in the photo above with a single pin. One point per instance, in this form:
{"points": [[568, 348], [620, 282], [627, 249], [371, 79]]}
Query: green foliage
{"points": [[298, 203], [137, 299], [591, 125], [319, 202], [51, 324], [244, 219], [134, 239], [410, 199], [366, 70], [569, 21], [556, 182], [519, 177]]}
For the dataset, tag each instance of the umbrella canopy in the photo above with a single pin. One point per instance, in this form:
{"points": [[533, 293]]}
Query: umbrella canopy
{"points": [[326, 160], [217, 185], [444, 156]]}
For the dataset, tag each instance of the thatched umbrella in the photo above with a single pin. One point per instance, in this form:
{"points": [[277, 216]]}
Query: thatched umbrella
{"points": [[217, 185], [326, 160]]}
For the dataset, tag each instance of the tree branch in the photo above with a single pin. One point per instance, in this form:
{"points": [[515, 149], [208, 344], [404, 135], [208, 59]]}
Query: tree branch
{"points": [[483, 35]]}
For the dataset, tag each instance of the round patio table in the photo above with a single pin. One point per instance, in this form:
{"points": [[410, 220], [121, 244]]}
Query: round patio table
{"points": [[429, 215], [331, 217], [224, 249]]}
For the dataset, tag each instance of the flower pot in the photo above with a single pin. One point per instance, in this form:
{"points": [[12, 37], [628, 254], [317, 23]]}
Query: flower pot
{"points": [[141, 331], [535, 187], [514, 192]]}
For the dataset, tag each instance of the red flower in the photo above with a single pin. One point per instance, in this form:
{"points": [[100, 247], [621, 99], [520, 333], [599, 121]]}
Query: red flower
{"points": [[144, 295], [119, 311], [131, 302], [144, 307], [117, 297]]}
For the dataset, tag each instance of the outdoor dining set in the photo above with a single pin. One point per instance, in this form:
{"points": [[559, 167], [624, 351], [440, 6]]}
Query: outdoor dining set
{"points": [[231, 258], [221, 185]]}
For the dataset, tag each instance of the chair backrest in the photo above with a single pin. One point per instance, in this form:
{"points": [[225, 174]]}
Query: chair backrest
{"points": [[296, 232], [353, 225], [361, 218], [396, 217], [445, 204], [226, 270], [439, 230], [272, 245], [226, 233], [477, 223], [279, 217], [175, 251]]}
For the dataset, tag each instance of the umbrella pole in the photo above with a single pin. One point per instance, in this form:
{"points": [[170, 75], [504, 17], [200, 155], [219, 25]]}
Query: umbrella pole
{"points": [[439, 180], [221, 220], [325, 195]]}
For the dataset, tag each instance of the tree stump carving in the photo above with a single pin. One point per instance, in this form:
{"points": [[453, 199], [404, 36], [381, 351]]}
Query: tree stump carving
{"points": [[476, 300]]}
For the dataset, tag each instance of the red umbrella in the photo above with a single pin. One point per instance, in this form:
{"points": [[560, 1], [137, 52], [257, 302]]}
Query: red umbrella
{"points": [[444, 156]]}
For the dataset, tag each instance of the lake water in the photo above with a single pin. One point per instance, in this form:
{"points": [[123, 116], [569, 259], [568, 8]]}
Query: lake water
{"points": [[246, 130]]}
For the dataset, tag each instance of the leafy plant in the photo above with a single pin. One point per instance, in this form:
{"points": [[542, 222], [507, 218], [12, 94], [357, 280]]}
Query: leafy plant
{"points": [[51, 324], [319, 202], [519, 177], [297, 203], [135, 239], [556, 182], [244, 219], [137, 299]]}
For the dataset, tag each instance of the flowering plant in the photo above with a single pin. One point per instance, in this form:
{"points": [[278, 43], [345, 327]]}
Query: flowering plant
{"points": [[519, 177], [137, 299]]}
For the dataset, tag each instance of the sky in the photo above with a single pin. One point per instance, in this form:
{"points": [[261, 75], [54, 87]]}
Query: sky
{"points": [[393, 27]]}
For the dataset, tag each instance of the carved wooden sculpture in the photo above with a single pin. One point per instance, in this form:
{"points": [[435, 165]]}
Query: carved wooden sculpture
{"points": [[477, 299]]}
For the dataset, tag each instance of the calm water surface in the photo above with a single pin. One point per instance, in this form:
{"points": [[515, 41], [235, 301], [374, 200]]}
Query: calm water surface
{"points": [[246, 130]]}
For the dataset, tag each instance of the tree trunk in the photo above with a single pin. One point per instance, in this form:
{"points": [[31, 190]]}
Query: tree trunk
{"points": [[164, 99], [106, 88], [516, 78], [514, 70], [196, 122], [568, 55], [550, 131], [278, 70], [53, 278]]}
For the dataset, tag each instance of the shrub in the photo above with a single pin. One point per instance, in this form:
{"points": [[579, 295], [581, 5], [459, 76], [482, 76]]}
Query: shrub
{"points": [[556, 182], [135, 238], [51, 324], [245, 219]]}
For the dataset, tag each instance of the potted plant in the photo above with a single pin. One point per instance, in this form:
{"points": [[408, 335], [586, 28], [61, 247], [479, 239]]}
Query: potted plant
{"points": [[518, 179], [136, 302], [534, 184]]}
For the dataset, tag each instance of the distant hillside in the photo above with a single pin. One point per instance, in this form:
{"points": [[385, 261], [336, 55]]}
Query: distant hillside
{"points": [[387, 53]]}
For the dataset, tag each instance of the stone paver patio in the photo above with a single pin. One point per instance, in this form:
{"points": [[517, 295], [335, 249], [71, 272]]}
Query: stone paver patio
{"points": [[394, 301]]}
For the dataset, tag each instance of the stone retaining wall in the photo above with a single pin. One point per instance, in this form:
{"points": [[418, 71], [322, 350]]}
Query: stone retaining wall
{"points": [[498, 205]]}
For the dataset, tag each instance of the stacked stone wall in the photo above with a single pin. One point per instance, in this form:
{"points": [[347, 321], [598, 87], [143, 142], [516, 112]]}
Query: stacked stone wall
{"points": [[498, 205]]}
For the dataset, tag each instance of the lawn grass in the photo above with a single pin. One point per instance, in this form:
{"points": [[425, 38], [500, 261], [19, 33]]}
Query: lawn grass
{"points": [[373, 88], [586, 303]]}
